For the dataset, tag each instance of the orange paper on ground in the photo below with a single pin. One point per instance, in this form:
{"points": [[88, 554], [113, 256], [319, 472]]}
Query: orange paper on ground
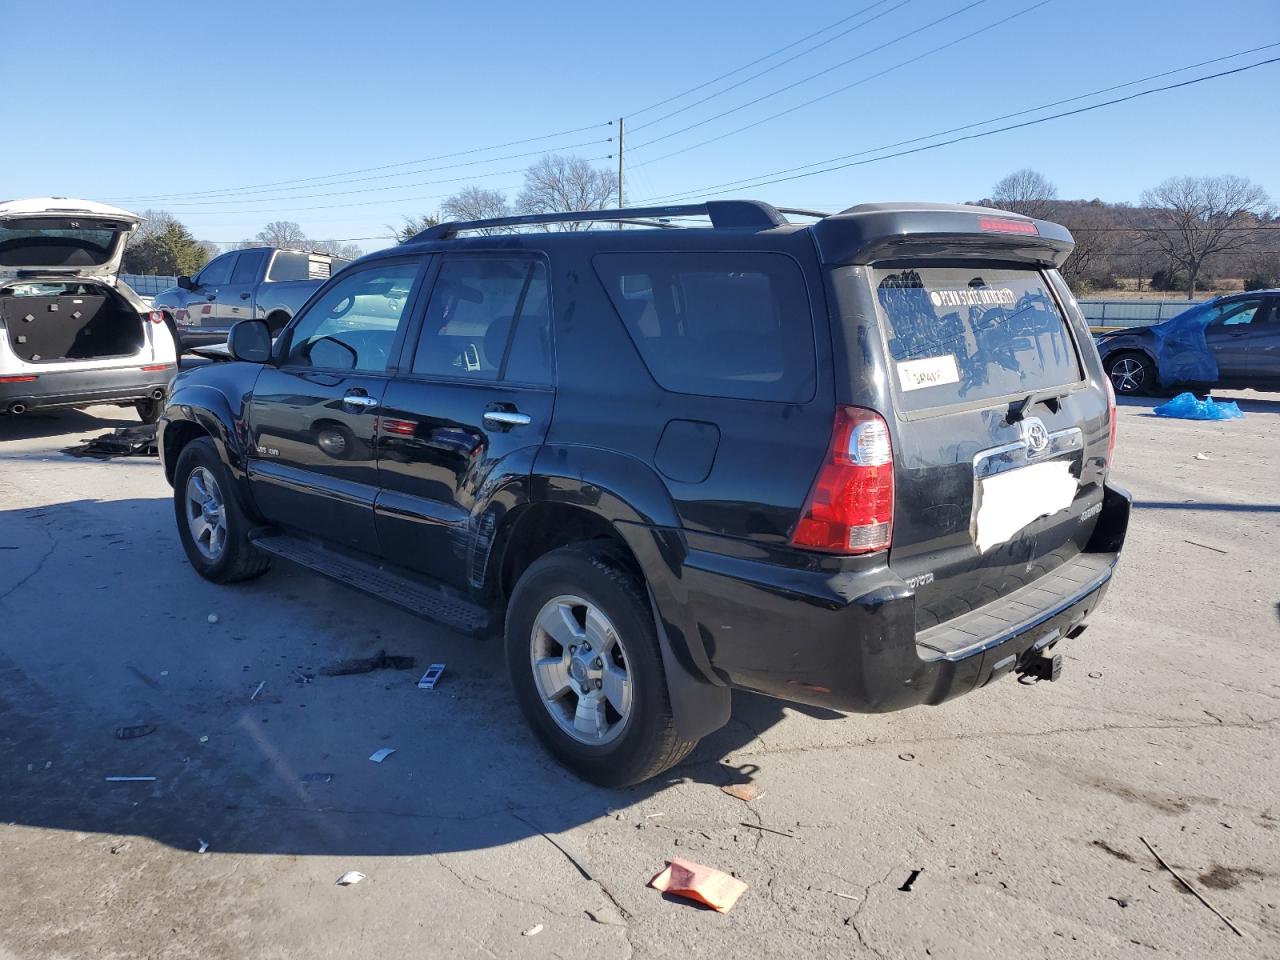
{"points": [[715, 888]]}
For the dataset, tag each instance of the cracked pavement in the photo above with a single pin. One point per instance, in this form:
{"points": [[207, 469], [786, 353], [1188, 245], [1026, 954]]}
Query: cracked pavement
{"points": [[1022, 806]]}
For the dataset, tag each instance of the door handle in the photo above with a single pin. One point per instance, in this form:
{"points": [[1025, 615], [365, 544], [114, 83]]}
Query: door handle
{"points": [[506, 418], [245, 295], [359, 401], [212, 296]]}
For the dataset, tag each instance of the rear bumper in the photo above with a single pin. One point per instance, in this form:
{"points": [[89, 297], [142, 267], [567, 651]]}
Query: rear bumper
{"points": [[81, 388], [847, 640]]}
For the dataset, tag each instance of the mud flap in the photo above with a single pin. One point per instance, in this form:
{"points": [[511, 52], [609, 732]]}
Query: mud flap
{"points": [[697, 707]]}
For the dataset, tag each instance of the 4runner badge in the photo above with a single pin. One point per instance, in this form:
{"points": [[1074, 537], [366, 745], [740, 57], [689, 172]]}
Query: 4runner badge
{"points": [[267, 451], [1035, 434]]}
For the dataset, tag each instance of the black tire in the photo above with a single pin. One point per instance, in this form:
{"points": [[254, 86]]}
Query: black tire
{"points": [[1132, 374], [237, 560], [149, 410], [648, 742]]}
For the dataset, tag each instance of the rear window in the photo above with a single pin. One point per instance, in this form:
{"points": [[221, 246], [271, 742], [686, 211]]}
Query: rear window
{"points": [[966, 334], [298, 266], [29, 243], [716, 324]]}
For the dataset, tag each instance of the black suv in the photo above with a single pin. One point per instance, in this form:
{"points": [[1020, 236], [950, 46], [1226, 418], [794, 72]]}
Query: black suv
{"points": [[858, 461]]}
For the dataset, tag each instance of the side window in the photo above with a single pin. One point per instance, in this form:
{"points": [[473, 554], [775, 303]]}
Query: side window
{"points": [[716, 324], [216, 271], [475, 307], [353, 324], [247, 267], [289, 266], [1236, 313]]}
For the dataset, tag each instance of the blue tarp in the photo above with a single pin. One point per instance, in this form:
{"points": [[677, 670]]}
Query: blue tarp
{"points": [[1182, 355], [1185, 406]]}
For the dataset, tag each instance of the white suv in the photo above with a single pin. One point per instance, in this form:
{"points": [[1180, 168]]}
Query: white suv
{"points": [[71, 334]]}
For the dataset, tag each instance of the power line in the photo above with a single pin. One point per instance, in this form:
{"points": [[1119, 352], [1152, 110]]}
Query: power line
{"points": [[814, 76], [849, 86], [781, 63], [967, 126], [385, 166], [748, 66], [712, 191], [325, 206]]}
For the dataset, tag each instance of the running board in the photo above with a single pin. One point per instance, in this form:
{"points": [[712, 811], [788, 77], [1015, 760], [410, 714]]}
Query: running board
{"points": [[405, 592]]}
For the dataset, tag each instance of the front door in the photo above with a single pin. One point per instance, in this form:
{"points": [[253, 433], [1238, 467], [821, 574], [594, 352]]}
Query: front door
{"points": [[202, 299], [467, 414], [1235, 333], [315, 411], [235, 297]]}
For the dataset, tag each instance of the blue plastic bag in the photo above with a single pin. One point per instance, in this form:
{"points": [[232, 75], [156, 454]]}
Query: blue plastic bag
{"points": [[1185, 406]]}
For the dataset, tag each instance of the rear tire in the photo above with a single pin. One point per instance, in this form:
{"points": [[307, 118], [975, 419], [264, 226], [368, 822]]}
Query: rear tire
{"points": [[587, 597], [149, 410], [213, 528], [1132, 373]]}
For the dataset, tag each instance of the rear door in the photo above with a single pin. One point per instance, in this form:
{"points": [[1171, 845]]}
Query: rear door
{"points": [[467, 413], [1000, 439], [313, 417], [1238, 333]]}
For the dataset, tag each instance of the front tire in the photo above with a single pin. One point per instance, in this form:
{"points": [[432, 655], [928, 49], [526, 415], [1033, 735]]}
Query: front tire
{"points": [[1131, 373], [213, 528], [583, 655]]}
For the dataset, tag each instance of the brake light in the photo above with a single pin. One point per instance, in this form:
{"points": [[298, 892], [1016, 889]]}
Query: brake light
{"points": [[150, 367], [1111, 415], [155, 316], [17, 379], [1001, 225], [850, 508]]}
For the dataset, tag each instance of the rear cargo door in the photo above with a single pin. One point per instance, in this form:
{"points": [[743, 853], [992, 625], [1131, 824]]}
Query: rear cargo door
{"points": [[997, 434]]}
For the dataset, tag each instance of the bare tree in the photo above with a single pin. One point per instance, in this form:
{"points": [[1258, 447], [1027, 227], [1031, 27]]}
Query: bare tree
{"points": [[1197, 217], [336, 248], [412, 226], [284, 234], [1027, 192], [566, 183], [477, 203]]}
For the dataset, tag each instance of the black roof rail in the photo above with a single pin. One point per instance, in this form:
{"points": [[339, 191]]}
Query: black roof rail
{"points": [[799, 212], [724, 214]]}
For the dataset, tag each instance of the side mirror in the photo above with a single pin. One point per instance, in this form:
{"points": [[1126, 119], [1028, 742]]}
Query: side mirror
{"points": [[250, 341], [184, 282]]}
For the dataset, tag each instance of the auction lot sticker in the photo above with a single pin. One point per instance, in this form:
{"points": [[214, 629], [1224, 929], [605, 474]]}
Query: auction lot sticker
{"points": [[928, 372]]}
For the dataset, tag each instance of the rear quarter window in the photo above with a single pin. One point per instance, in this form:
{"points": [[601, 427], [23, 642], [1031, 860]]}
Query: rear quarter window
{"points": [[716, 324], [960, 335]]}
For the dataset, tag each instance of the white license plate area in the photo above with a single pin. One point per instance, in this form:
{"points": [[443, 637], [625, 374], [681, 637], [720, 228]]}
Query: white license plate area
{"points": [[1008, 502]]}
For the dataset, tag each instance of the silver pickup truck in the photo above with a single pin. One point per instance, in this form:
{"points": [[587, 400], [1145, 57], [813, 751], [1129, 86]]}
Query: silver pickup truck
{"points": [[257, 282]]}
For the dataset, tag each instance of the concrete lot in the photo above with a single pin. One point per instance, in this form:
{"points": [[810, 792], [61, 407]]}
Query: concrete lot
{"points": [[1022, 805]]}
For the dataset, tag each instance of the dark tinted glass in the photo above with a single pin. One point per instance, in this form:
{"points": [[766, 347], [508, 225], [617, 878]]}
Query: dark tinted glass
{"points": [[716, 324], [469, 319], [290, 266], [353, 324], [961, 334], [217, 271], [247, 268], [530, 359]]}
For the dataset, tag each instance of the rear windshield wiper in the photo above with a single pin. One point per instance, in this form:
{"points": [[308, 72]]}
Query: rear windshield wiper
{"points": [[1018, 409]]}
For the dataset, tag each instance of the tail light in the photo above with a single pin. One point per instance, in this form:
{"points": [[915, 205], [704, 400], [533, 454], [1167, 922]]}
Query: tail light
{"points": [[155, 316], [22, 379], [1111, 415], [850, 508]]}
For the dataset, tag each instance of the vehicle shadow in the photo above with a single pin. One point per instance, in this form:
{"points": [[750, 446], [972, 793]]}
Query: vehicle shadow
{"points": [[51, 423], [254, 749]]}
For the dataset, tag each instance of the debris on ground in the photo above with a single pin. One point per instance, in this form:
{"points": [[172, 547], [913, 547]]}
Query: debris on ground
{"points": [[1202, 456], [346, 668], [213, 618], [706, 885], [532, 931], [350, 877], [204, 845], [906, 756], [317, 778], [1187, 883], [137, 441], [129, 779], [205, 738], [1123, 901], [742, 791], [254, 696], [381, 754], [915, 874], [1205, 545], [429, 679], [756, 826], [135, 731], [1185, 406]]}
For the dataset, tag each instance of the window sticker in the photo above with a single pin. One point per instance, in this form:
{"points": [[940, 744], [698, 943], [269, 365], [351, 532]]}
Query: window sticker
{"points": [[974, 297], [928, 372]]}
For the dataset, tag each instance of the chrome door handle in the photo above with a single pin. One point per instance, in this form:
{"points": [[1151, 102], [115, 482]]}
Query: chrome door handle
{"points": [[359, 401], [507, 418]]}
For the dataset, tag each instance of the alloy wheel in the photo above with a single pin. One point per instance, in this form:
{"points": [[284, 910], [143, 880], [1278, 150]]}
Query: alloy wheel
{"points": [[206, 513]]}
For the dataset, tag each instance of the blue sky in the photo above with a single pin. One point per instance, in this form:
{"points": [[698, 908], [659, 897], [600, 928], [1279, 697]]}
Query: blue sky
{"points": [[130, 102]]}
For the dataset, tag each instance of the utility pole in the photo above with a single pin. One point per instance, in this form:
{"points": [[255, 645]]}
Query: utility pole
{"points": [[621, 203]]}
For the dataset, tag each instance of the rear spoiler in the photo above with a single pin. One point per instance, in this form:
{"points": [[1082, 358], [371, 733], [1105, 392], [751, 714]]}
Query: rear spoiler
{"points": [[885, 231]]}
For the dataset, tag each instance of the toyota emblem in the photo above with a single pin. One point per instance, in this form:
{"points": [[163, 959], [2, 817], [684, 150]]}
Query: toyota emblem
{"points": [[1035, 434]]}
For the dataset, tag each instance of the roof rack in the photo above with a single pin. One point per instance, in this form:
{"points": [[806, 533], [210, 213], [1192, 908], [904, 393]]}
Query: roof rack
{"points": [[724, 214]]}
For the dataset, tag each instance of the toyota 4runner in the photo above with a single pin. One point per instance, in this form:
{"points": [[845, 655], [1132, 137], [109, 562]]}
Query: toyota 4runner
{"points": [[858, 461]]}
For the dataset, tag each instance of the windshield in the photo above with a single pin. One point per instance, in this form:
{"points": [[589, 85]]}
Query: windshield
{"points": [[965, 334], [32, 244]]}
